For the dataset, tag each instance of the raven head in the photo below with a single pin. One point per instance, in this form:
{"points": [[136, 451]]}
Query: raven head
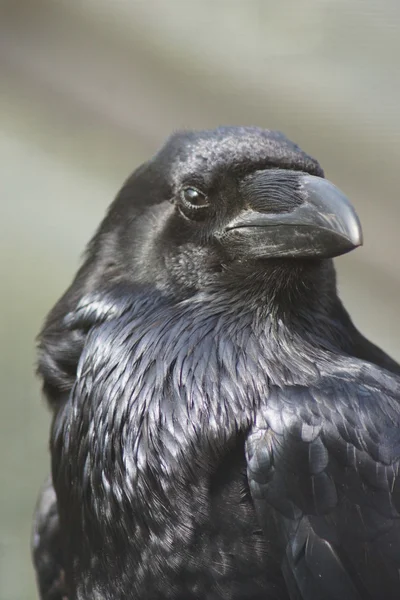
{"points": [[233, 198], [258, 196], [240, 194]]}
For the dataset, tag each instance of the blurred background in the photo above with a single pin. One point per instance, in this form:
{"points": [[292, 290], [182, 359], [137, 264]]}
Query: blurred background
{"points": [[91, 88]]}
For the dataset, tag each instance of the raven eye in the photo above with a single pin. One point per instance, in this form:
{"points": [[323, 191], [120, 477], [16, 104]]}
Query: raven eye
{"points": [[193, 197]]}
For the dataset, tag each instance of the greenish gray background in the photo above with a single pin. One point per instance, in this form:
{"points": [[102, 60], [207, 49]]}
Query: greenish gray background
{"points": [[90, 88]]}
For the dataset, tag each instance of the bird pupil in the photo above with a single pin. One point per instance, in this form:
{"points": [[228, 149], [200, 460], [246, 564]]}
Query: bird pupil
{"points": [[193, 196]]}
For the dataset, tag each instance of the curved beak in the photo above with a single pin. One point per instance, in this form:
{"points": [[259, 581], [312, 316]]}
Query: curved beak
{"points": [[311, 218]]}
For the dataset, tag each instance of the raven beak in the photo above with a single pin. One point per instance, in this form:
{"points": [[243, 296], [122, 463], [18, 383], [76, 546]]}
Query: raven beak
{"points": [[321, 222]]}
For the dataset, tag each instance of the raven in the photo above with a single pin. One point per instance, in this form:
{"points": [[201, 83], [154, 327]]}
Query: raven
{"points": [[221, 430]]}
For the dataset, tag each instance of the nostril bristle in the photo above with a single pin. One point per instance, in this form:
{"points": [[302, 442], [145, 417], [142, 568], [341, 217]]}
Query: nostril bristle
{"points": [[273, 191]]}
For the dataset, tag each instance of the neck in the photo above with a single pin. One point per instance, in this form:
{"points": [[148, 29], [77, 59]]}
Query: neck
{"points": [[295, 300]]}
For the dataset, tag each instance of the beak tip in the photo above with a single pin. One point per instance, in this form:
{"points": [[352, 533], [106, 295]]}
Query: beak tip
{"points": [[320, 190], [355, 232]]}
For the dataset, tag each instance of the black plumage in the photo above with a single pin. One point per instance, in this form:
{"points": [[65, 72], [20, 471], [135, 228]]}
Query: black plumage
{"points": [[221, 429]]}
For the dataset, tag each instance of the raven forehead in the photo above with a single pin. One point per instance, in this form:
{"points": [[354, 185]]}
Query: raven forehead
{"points": [[213, 150]]}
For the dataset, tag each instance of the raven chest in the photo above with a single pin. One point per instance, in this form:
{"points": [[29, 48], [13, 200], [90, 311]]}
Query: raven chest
{"points": [[141, 448]]}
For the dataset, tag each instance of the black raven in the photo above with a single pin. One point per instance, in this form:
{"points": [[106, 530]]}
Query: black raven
{"points": [[221, 429]]}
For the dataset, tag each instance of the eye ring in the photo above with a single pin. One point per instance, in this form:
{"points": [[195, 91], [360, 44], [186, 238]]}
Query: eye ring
{"points": [[194, 198]]}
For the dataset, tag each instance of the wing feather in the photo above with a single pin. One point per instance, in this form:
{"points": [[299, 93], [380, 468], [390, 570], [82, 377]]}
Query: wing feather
{"points": [[323, 462]]}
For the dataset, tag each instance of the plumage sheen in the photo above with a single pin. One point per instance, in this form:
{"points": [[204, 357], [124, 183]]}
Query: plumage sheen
{"points": [[221, 430]]}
